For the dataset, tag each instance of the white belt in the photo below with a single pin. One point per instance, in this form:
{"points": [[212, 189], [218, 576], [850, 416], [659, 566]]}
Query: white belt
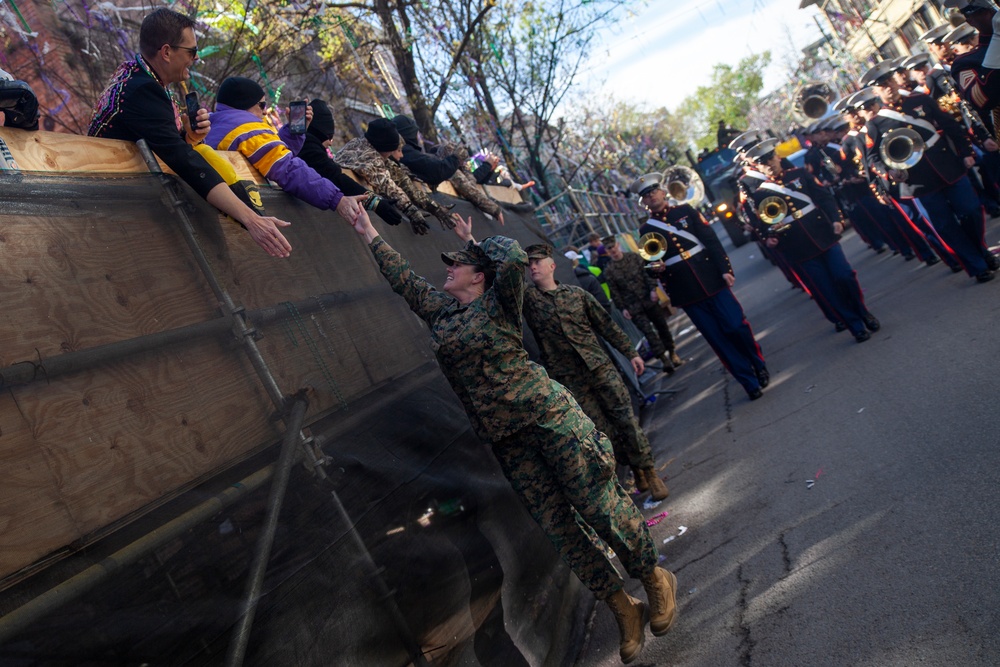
{"points": [[684, 255]]}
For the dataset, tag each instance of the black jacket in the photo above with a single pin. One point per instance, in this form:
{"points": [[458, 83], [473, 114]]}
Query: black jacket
{"points": [[430, 169], [694, 265], [940, 165], [314, 154], [136, 106], [812, 233]]}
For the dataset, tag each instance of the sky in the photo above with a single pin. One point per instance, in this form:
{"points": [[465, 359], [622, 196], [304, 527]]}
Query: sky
{"points": [[662, 51]]}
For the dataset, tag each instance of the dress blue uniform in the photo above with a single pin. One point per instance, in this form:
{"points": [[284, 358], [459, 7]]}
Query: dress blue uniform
{"points": [[808, 241], [938, 180], [694, 264]]}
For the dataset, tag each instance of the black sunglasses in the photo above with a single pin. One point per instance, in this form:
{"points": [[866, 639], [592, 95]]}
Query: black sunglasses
{"points": [[193, 50], [262, 105]]}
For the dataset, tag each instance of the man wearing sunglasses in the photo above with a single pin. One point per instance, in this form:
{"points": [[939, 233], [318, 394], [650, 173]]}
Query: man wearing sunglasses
{"points": [[937, 180], [137, 104]]}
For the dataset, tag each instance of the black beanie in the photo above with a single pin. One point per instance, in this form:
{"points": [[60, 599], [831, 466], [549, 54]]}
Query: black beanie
{"points": [[382, 135], [407, 128], [239, 92], [322, 124]]}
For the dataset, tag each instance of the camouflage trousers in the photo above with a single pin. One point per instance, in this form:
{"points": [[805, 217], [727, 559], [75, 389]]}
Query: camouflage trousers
{"points": [[465, 184], [564, 472], [603, 396], [652, 322], [467, 188]]}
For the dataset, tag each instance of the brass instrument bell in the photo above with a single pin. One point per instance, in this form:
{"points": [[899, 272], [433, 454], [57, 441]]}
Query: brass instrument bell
{"points": [[652, 246], [901, 148], [773, 212]]}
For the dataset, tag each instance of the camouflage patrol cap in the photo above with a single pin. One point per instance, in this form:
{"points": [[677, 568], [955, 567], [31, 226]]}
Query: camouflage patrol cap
{"points": [[539, 251], [646, 184], [470, 254]]}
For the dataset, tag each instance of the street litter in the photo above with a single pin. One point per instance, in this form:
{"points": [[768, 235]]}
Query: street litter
{"points": [[661, 558], [670, 539], [656, 519], [810, 388], [650, 505], [861, 410], [809, 483], [682, 529]]}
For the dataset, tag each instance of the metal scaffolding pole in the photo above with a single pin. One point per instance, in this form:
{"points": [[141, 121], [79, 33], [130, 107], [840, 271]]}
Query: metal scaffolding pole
{"points": [[244, 332], [262, 554]]}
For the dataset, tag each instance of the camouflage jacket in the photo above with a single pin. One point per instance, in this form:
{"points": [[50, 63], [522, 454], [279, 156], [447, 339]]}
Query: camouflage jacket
{"points": [[386, 177], [479, 345], [629, 282], [566, 322]]}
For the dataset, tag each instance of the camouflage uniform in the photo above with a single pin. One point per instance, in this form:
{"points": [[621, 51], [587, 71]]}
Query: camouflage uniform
{"points": [[630, 285], [464, 183], [564, 321], [389, 179], [556, 461]]}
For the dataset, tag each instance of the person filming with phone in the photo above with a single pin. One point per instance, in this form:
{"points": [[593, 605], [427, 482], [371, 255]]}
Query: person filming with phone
{"points": [[238, 125], [137, 104]]}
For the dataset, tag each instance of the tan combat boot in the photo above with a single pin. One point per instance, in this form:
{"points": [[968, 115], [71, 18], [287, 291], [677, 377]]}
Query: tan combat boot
{"points": [[668, 366], [675, 360], [631, 617], [640, 479], [657, 489], [661, 589]]}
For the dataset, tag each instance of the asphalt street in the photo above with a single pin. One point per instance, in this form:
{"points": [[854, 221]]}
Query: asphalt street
{"points": [[890, 555]]}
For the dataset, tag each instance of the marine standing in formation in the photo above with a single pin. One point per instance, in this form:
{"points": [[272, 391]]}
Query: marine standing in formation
{"points": [[566, 321]]}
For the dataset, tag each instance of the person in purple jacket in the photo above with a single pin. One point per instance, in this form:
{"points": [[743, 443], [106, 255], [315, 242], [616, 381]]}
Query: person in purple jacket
{"points": [[238, 125]]}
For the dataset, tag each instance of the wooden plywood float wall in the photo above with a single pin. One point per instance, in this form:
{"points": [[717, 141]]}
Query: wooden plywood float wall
{"points": [[104, 262]]}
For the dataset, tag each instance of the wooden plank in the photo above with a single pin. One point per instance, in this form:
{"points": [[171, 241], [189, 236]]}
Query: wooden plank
{"points": [[57, 152]]}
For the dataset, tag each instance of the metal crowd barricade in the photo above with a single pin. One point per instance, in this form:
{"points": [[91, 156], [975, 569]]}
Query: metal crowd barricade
{"points": [[571, 215]]}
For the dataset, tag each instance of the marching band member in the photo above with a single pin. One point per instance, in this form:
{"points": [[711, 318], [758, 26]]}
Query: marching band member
{"points": [[696, 273], [802, 221], [937, 178]]}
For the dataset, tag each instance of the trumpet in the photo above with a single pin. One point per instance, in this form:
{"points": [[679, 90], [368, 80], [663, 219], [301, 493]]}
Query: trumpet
{"points": [[901, 148], [773, 211], [652, 248]]}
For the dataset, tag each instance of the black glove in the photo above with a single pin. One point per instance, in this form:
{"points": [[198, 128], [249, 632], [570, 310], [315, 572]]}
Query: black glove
{"points": [[388, 212]]}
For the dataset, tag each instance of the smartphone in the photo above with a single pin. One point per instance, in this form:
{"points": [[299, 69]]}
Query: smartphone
{"points": [[297, 117], [191, 103]]}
